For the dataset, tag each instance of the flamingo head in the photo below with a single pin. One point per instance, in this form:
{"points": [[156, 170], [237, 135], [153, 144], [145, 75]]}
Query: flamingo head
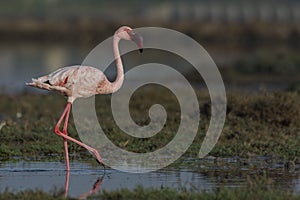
{"points": [[128, 33]]}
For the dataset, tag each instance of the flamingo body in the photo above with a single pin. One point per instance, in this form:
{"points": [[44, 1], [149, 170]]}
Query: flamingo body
{"points": [[84, 81], [75, 82]]}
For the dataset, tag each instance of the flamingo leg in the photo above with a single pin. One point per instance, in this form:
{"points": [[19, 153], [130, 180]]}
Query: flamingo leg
{"points": [[64, 134], [65, 140], [67, 184], [65, 113]]}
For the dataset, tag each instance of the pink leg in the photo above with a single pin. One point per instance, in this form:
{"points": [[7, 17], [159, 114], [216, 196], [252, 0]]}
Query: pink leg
{"points": [[65, 140], [67, 184], [66, 111], [66, 137]]}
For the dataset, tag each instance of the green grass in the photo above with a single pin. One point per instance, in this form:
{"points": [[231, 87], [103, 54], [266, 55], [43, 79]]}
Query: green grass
{"points": [[30, 194], [223, 193], [259, 190], [258, 124]]}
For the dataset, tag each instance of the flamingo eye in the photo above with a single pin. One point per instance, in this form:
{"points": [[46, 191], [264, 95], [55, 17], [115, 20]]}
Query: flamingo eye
{"points": [[130, 31], [132, 34]]}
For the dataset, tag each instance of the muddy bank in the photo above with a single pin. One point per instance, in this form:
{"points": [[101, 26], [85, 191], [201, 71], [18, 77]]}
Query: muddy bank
{"points": [[259, 124]]}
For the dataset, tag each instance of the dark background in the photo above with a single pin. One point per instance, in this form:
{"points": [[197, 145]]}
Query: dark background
{"points": [[255, 44]]}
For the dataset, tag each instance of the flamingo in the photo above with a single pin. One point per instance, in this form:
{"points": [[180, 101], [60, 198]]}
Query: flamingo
{"points": [[84, 81]]}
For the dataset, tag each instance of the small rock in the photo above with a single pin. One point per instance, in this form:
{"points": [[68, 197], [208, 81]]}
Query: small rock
{"points": [[18, 115], [2, 124]]}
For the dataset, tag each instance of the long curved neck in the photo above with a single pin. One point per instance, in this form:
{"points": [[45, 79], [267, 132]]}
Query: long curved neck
{"points": [[115, 85]]}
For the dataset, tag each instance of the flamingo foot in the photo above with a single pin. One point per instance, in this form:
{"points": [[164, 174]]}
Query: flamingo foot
{"points": [[101, 163], [98, 158]]}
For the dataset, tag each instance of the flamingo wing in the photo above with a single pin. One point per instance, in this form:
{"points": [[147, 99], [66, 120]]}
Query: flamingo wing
{"points": [[76, 81]]}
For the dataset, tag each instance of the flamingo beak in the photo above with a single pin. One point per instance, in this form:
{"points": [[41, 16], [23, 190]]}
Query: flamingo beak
{"points": [[138, 40]]}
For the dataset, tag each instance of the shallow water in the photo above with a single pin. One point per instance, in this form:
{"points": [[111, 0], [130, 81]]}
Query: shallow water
{"points": [[51, 176]]}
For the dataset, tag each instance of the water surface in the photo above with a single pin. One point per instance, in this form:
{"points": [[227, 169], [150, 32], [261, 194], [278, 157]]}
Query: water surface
{"points": [[51, 176]]}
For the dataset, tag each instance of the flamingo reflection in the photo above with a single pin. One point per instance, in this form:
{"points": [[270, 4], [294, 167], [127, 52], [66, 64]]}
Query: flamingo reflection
{"points": [[94, 189]]}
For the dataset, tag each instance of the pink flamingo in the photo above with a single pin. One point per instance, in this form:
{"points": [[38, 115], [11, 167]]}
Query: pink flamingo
{"points": [[84, 81]]}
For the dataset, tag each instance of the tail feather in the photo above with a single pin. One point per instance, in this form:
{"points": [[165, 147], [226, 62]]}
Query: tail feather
{"points": [[39, 83], [35, 82], [32, 83]]}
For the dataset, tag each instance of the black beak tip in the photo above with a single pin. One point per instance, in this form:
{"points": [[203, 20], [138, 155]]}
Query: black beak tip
{"points": [[141, 50]]}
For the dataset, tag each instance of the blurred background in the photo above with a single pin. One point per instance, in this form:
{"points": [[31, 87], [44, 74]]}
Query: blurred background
{"points": [[255, 43]]}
